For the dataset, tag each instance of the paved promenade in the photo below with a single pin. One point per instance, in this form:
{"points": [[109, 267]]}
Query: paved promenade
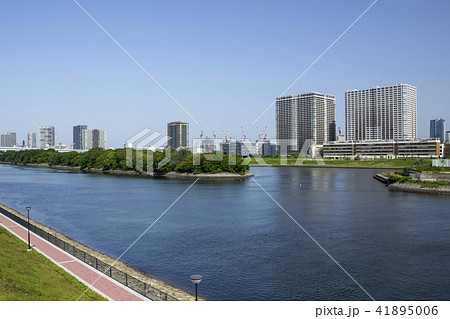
{"points": [[106, 286]]}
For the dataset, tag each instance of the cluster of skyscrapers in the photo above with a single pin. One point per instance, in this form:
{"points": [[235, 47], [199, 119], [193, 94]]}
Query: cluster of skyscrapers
{"points": [[379, 113], [379, 122], [46, 138], [83, 139]]}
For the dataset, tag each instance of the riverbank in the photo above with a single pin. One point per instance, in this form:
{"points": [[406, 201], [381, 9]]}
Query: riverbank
{"points": [[129, 160], [343, 163], [160, 285], [172, 175], [403, 182], [324, 166], [417, 188]]}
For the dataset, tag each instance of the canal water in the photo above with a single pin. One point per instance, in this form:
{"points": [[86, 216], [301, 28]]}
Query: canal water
{"points": [[395, 245]]}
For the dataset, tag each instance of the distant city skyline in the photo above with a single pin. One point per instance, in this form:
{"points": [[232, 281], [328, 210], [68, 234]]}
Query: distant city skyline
{"points": [[48, 133], [224, 62]]}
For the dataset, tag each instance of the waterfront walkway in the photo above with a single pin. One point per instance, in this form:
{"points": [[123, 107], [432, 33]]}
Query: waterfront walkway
{"points": [[106, 286]]}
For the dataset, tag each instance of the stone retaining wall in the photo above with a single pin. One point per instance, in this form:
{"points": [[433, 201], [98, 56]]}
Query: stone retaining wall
{"points": [[416, 188], [125, 274]]}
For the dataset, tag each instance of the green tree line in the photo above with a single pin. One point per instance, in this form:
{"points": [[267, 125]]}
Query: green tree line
{"points": [[169, 160]]}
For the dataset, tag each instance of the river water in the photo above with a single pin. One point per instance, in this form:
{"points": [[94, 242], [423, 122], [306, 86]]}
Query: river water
{"points": [[394, 245]]}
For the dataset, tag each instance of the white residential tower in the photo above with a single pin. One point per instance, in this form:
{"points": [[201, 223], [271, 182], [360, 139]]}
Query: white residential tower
{"points": [[381, 113]]}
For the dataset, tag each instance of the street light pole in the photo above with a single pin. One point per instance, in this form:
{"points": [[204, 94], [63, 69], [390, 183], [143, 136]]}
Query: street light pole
{"points": [[196, 279], [28, 210], [196, 294]]}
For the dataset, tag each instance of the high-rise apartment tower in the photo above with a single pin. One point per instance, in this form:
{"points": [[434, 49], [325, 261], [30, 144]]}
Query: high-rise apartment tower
{"points": [[381, 113], [94, 138], [437, 129], [178, 133], [310, 116], [46, 136], [78, 136], [31, 140], [8, 140]]}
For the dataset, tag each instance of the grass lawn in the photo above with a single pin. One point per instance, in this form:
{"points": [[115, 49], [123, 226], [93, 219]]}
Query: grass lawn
{"points": [[28, 275], [398, 177], [399, 162]]}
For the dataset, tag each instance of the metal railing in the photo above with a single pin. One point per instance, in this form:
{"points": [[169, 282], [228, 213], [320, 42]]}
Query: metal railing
{"points": [[128, 280]]}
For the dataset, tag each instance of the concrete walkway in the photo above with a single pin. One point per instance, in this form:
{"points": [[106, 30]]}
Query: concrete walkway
{"points": [[104, 285]]}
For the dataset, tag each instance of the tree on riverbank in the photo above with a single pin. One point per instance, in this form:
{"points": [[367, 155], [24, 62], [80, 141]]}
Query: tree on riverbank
{"points": [[181, 161]]}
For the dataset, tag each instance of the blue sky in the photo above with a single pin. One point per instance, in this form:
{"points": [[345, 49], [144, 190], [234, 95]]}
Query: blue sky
{"points": [[224, 61]]}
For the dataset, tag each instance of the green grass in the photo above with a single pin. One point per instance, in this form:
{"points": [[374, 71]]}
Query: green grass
{"points": [[28, 275], [399, 162], [432, 169], [398, 177]]}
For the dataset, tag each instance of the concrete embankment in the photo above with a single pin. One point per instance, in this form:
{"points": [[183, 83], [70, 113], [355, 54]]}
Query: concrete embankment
{"points": [[203, 176], [58, 238], [173, 175], [325, 166], [381, 178], [417, 188]]}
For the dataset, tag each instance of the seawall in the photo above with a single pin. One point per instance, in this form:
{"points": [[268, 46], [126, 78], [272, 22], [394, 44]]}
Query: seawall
{"points": [[173, 175], [325, 166], [137, 280], [417, 188]]}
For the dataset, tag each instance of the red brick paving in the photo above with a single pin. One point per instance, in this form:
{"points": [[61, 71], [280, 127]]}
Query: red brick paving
{"points": [[85, 273]]}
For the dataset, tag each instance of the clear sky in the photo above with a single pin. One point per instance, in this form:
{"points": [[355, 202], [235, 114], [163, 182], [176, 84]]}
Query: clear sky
{"points": [[223, 61]]}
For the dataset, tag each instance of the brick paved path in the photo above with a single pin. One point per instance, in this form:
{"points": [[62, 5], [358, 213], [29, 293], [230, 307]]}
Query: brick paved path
{"points": [[103, 284]]}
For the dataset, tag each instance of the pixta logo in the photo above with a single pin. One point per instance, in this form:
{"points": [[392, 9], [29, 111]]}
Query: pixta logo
{"points": [[147, 142]]}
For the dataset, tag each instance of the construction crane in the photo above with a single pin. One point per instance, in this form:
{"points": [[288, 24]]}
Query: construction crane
{"points": [[58, 139], [214, 133], [340, 128], [262, 134], [245, 138], [227, 135]]}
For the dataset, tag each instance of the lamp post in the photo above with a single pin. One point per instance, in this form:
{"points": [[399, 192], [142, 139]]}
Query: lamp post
{"points": [[28, 210], [196, 280]]}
